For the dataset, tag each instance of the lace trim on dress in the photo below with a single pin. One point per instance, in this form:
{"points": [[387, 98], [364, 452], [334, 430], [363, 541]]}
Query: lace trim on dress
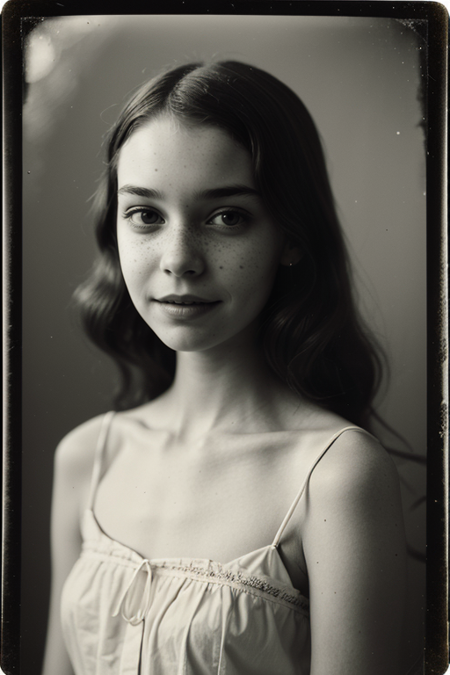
{"points": [[235, 577], [207, 571]]}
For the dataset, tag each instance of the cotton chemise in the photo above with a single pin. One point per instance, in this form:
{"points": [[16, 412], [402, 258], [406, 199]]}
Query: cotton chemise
{"points": [[123, 614]]}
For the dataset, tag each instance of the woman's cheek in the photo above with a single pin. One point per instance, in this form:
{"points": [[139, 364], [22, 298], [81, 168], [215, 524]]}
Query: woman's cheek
{"points": [[134, 262]]}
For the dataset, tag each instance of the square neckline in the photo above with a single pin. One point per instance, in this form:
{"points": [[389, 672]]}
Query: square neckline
{"points": [[264, 550], [188, 562]]}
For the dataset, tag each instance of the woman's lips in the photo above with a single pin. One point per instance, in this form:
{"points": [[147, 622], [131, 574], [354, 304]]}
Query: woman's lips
{"points": [[185, 299], [186, 306]]}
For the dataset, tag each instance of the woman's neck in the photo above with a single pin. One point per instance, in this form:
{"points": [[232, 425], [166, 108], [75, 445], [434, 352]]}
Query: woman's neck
{"points": [[230, 390]]}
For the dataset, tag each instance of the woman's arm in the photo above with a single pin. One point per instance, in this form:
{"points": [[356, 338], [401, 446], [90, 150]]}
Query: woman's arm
{"points": [[73, 465], [354, 545]]}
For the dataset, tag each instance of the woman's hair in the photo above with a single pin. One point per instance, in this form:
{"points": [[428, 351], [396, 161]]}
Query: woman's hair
{"points": [[311, 334]]}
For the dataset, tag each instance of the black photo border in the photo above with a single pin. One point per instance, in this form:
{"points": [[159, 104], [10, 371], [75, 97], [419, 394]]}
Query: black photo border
{"points": [[433, 18]]}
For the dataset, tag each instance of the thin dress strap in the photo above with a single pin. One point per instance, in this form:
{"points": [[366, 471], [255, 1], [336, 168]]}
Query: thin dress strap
{"points": [[288, 516], [98, 457]]}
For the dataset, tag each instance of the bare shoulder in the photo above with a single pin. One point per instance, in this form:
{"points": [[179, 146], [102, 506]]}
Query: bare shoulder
{"points": [[74, 460], [354, 459], [75, 452], [355, 552], [356, 464]]}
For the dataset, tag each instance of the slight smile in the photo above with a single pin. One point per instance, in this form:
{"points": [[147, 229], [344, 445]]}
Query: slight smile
{"points": [[185, 306], [185, 300]]}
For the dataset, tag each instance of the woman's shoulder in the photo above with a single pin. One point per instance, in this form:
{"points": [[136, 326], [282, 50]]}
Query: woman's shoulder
{"points": [[75, 452], [342, 453], [336, 453], [354, 468]]}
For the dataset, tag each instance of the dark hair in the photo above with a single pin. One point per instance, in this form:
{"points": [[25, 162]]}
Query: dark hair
{"points": [[311, 334]]}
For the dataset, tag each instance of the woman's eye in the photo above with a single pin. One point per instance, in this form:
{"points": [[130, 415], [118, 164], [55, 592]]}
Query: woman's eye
{"points": [[229, 218], [143, 217]]}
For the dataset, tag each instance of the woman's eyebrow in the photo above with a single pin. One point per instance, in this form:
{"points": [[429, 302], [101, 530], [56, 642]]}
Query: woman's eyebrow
{"points": [[213, 193], [139, 192], [228, 191]]}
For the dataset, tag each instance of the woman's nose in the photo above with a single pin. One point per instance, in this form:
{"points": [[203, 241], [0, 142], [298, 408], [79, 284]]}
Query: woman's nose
{"points": [[182, 255]]}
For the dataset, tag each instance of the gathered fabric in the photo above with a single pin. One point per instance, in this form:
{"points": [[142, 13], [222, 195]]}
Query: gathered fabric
{"points": [[123, 614]]}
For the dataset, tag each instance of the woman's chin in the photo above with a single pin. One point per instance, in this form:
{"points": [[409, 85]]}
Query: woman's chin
{"points": [[187, 341]]}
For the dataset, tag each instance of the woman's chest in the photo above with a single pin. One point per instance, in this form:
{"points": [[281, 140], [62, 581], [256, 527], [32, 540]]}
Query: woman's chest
{"points": [[217, 500]]}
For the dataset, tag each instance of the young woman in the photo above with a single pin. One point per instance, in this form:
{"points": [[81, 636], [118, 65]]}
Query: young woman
{"points": [[236, 515]]}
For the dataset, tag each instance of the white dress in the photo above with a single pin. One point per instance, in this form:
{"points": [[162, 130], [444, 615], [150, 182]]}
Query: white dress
{"points": [[123, 614]]}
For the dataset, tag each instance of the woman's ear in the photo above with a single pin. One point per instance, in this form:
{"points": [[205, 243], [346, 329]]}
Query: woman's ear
{"points": [[290, 255]]}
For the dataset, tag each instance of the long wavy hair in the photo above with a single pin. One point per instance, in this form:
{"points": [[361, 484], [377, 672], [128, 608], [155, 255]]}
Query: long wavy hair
{"points": [[310, 331]]}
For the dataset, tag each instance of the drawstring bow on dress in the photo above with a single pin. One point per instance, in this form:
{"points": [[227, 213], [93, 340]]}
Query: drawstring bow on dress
{"points": [[125, 604]]}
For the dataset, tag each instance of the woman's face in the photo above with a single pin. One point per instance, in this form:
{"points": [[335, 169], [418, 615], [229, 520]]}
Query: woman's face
{"points": [[198, 251]]}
